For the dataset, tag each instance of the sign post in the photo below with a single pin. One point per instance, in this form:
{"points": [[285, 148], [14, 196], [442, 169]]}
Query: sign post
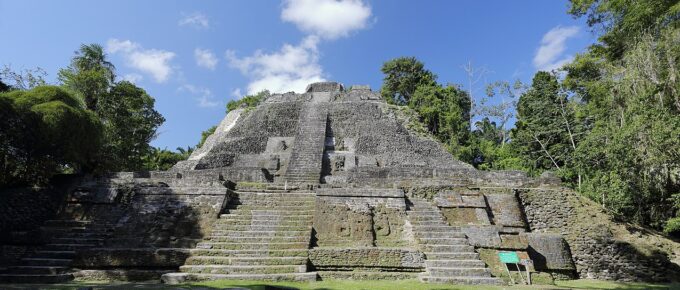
{"points": [[510, 258]]}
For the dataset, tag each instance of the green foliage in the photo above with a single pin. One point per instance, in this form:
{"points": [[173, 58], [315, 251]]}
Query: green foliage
{"points": [[487, 150], [672, 226], [126, 111], [164, 159], [90, 75], [403, 76], [629, 153], [622, 22], [445, 111], [131, 121], [205, 134], [44, 130], [249, 101], [544, 131]]}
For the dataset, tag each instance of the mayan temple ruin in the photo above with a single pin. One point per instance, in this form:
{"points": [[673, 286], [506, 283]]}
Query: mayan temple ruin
{"points": [[333, 183]]}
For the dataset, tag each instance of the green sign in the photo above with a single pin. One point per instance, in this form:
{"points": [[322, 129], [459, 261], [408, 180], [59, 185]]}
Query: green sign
{"points": [[508, 257]]}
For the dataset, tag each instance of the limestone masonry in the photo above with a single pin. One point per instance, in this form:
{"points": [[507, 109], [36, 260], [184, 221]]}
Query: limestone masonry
{"points": [[331, 183]]}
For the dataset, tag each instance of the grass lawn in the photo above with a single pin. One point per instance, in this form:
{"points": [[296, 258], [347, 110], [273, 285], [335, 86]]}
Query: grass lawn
{"points": [[338, 285]]}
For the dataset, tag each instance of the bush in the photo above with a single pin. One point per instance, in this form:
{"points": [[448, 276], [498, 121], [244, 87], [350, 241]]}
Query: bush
{"points": [[672, 227]]}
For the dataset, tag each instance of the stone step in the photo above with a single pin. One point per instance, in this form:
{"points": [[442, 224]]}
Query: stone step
{"points": [[67, 247], [250, 253], [443, 241], [458, 272], [66, 223], [241, 211], [178, 278], [55, 254], [463, 280], [277, 195], [265, 216], [431, 228], [448, 248], [45, 262], [422, 218], [37, 270], [230, 269], [59, 230], [62, 240], [253, 246], [245, 261], [300, 239], [455, 263], [452, 256], [85, 235], [228, 233], [269, 192], [424, 213], [230, 222], [273, 203], [227, 227], [34, 279], [417, 223], [281, 207], [450, 235]]}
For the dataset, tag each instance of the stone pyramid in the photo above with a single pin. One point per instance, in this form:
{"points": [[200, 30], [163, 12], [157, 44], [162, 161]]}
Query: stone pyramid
{"points": [[327, 135], [332, 183]]}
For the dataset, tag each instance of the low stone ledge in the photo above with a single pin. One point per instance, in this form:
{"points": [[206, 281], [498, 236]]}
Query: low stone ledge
{"points": [[361, 192], [367, 275], [388, 258], [120, 275], [131, 257]]}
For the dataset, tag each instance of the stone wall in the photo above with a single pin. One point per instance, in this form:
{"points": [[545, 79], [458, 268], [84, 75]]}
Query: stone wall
{"points": [[378, 259], [153, 219], [359, 217], [600, 247], [23, 211]]}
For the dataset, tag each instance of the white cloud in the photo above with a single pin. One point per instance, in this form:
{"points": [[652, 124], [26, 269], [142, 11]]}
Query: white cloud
{"points": [[205, 58], [327, 18], [204, 96], [154, 62], [549, 54], [196, 19], [236, 93], [207, 102], [291, 68], [133, 77]]}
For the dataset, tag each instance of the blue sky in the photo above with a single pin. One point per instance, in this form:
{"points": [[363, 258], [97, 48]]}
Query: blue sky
{"points": [[194, 56]]}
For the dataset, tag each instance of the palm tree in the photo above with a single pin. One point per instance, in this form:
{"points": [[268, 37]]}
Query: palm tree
{"points": [[92, 57]]}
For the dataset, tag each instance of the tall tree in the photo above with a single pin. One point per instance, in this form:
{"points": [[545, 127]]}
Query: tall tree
{"points": [[403, 76], [542, 131], [131, 122], [445, 111], [90, 74]]}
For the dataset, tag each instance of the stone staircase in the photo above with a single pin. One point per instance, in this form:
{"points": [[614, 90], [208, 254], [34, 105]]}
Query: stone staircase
{"points": [[264, 236], [51, 262], [306, 158], [449, 257]]}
